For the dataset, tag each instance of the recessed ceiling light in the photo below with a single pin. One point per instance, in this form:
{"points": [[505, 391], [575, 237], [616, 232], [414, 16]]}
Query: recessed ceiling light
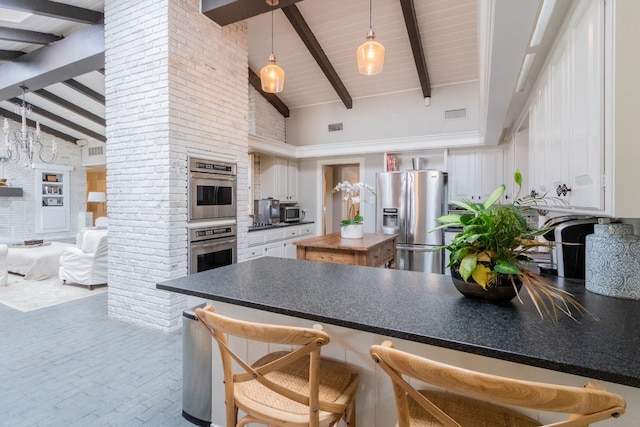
{"points": [[15, 16]]}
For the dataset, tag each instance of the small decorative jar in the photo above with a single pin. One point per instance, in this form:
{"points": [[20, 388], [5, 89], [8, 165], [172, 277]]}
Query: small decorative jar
{"points": [[612, 261]]}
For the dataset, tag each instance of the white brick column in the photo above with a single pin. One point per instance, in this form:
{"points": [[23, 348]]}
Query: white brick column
{"points": [[176, 85]]}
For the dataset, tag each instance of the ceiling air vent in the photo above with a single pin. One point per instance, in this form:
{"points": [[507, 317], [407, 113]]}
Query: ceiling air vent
{"points": [[334, 127], [460, 113]]}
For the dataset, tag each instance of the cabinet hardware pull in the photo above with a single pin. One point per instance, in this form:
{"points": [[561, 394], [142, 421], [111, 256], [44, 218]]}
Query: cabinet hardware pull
{"points": [[562, 190]]}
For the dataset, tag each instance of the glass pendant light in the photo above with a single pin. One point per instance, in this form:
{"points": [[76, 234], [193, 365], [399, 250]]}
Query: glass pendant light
{"points": [[370, 54], [271, 75]]}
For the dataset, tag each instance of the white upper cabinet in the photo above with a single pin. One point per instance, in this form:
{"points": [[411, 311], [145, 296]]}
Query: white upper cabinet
{"points": [[278, 178], [474, 174], [586, 103], [566, 115]]}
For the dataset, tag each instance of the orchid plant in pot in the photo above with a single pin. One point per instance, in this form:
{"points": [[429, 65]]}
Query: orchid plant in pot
{"points": [[352, 226]]}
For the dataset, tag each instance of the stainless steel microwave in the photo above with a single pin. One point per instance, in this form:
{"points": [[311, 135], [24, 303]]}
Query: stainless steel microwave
{"points": [[290, 214]]}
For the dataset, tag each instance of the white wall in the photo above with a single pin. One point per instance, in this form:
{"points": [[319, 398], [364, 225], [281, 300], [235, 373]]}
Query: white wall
{"points": [[176, 85], [310, 184], [17, 216], [398, 115], [264, 120]]}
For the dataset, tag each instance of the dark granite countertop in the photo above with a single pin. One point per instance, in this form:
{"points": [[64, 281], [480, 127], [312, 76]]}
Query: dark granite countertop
{"points": [[426, 308], [278, 225]]}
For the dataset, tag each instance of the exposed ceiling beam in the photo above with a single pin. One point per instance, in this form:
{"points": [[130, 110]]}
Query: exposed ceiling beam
{"points": [[16, 118], [8, 55], [254, 79], [77, 54], [74, 84], [24, 36], [54, 9], [224, 12], [411, 22], [309, 39], [70, 106], [61, 120]]}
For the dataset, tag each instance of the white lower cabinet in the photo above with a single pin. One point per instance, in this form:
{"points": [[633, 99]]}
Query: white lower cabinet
{"points": [[277, 242]]}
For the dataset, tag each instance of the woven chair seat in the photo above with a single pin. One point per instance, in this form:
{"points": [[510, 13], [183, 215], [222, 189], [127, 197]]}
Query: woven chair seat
{"points": [[467, 412], [335, 378]]}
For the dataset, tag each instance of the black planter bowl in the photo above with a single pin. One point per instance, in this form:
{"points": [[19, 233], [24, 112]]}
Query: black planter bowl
{"points": [[500, 293]]}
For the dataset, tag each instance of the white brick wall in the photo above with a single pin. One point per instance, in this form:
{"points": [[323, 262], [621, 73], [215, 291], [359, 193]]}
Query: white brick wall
{"points": [[17, 216], [264, 119], [176, 85]]}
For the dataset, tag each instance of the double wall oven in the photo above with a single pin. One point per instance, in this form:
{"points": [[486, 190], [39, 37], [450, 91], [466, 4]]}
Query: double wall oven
{"points": [[212, 214]]}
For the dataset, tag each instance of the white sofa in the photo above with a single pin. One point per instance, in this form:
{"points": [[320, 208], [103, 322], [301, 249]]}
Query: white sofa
{"points": [[86, 263]]}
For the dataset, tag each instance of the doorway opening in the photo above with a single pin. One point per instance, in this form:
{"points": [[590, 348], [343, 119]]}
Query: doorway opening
{"points": [[96, 182], [334, 207]]}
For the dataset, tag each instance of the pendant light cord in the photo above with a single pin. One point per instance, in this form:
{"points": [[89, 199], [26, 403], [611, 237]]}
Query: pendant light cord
{"points": [[272, 28], [370, 13]]}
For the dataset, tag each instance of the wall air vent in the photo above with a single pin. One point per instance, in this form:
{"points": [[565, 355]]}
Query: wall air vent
{"points": [[334, 127], [95, 151], [460, 113]]}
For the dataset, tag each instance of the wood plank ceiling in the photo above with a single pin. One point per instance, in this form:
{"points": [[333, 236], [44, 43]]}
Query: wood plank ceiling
{"points": [[428, 43]]}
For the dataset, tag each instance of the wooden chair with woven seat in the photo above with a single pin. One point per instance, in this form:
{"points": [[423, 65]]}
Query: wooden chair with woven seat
{"points": [[283, 388], [458, 405]]}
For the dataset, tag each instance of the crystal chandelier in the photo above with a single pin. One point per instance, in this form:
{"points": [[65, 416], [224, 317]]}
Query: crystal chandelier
{"points": [[26, 142]]}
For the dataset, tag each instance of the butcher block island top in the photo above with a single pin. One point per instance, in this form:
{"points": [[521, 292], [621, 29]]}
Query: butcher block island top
{"points": [[372, 250]]}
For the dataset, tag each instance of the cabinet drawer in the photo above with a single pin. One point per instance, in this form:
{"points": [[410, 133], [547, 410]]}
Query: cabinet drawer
{"points": [[256, 238], [306, 230], [254, 253], [274, 235], [291, 232]]}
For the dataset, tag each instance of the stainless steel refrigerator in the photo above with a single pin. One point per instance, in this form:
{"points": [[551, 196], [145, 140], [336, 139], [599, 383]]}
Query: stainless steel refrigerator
{"points": [[408, 204]]}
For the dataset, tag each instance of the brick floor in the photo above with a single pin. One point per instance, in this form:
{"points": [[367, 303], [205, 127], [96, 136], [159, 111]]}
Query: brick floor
{"points": [[70, 365]]}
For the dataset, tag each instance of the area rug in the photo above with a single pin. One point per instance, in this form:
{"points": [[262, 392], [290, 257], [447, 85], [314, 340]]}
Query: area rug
{"points": [[28, 295]]}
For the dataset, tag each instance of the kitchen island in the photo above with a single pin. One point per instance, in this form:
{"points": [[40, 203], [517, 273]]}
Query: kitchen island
{"points": [[372, 250], [423, 313]]}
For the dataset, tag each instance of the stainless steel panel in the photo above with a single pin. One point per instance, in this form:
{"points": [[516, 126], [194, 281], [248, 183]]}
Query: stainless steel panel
{"points": [[419, 258], [196, 369], [425, 200], [391, 209]]}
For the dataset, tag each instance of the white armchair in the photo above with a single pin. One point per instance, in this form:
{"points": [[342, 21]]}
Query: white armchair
{"points": [[4, 274], [85, 263]]}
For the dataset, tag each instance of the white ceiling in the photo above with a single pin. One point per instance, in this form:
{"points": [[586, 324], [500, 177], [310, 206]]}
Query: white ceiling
{"points": [[448, 30]]}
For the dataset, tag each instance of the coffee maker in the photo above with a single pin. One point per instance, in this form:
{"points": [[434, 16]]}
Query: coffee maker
{"points": [[569, 235], [266, 211]]}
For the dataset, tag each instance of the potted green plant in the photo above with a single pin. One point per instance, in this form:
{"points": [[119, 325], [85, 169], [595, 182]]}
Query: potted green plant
{"points": [[488, 257], [352, 226]]}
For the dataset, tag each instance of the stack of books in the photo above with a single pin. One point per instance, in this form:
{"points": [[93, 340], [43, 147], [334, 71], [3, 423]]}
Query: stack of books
{"points": [[392, 163]]}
